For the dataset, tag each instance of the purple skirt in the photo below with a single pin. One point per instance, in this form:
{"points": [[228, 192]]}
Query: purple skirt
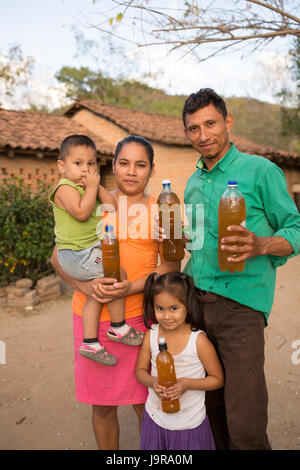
{"points": [[153, 437]]}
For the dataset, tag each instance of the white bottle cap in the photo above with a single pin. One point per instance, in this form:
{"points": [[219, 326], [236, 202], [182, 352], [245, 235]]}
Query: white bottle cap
{"points": [[166, 182], [161, 340]]}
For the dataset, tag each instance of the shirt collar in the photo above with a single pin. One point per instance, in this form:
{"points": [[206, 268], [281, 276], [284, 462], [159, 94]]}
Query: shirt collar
{"points": [[222, 164]]}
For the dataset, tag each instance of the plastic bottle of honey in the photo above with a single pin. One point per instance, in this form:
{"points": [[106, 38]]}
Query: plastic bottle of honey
{"points": [[170, 219], [232, 211], [166, 375], [110, 254]]}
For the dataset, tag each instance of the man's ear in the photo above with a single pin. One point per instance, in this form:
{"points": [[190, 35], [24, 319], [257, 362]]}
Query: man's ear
{"points": [[229, 122]]}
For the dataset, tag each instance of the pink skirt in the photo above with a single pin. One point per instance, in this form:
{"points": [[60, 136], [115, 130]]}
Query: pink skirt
{"points": [[97, 384]]}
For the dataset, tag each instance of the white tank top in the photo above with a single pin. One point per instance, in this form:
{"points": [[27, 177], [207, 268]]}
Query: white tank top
{"points": [[187, 364]]}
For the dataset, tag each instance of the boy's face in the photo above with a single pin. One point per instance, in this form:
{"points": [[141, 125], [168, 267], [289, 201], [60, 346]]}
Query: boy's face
{"points": [[79, 161]]}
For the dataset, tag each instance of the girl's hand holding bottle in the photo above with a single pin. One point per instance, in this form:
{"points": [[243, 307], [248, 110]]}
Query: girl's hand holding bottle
{"points": [[160, 391], [177, 390]]}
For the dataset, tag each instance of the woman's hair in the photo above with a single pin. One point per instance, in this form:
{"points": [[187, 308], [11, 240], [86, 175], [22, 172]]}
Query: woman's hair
{"points": [[182, 287], [138, 140]]}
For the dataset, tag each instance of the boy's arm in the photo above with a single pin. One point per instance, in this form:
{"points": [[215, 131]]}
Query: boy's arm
{"points": [[106, 198], [79, 207]]}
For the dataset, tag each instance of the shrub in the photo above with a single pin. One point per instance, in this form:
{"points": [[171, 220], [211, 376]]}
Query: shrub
{"points": [[26, 233]]}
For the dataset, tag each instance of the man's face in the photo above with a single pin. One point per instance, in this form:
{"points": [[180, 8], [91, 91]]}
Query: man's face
{"points": [[208, 132]]}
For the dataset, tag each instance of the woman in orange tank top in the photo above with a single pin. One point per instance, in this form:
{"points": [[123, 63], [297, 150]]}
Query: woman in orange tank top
{"points": [[108, 387]]}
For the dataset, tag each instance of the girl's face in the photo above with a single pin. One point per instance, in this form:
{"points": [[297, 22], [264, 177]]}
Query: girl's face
{"points": [[169, 311], [132, 169]]}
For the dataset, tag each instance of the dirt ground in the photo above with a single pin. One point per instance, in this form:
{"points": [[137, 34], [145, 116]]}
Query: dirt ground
{"points": [[38, 409]]}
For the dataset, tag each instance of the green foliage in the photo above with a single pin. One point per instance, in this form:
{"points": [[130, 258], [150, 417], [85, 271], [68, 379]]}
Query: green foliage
{"points": [[27, 232]]}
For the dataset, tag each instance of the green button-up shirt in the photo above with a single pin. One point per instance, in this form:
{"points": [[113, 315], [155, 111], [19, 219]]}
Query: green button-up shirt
{"points": [[270, 211]]}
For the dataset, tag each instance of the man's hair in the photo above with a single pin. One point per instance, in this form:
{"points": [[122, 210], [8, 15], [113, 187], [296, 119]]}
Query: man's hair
{"points": [[76, 140], [201, 99]]}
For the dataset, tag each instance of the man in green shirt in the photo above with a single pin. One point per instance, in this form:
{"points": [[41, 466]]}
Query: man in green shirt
{"points": [[238, 304]]}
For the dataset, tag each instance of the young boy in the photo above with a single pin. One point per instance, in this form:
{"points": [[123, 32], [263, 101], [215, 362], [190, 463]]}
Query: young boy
{"points": [[76, 200]]}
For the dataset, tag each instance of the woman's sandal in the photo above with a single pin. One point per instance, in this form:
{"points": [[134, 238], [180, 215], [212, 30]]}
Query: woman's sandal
{"points": [[131, 338], [98, 355]]}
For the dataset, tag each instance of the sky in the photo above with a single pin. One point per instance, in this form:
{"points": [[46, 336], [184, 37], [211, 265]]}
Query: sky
{"points": [[45, 29]]}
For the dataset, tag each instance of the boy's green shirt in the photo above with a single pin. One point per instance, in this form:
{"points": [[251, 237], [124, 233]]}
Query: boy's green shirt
{"points": [[270, 211], [71, 233]]}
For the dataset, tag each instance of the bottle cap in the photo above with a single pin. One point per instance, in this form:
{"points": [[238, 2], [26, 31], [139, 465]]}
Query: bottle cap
{"points": [[162, 345], [109, 228], [166, 182], [232, 183]]}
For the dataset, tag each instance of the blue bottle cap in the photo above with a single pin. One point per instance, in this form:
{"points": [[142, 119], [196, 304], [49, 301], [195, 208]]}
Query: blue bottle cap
{"points": [[109, 228], [232, 183]]}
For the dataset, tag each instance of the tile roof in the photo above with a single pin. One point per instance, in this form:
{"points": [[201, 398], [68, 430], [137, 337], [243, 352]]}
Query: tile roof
{"points": [[28, 130], [169, 130]]}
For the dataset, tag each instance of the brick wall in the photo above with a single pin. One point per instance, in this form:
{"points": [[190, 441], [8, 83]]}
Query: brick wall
{"points": [[32, 169]]}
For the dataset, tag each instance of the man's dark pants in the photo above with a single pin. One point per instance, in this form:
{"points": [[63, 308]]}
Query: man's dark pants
{"points": [[238, 412]]}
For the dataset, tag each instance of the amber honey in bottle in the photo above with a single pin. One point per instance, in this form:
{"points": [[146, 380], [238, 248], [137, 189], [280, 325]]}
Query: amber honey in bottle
{"points": [[110, 254], [166, 375], [170, 220], [232, 211]]}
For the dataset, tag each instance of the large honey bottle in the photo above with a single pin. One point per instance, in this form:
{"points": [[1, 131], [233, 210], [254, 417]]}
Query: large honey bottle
{"points": [[232, 211], [110, 254], [166, 375], [170, 220]]}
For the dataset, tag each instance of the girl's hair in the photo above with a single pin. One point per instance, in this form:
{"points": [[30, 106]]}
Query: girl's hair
{"points": [[138, 140], [178, 285]]}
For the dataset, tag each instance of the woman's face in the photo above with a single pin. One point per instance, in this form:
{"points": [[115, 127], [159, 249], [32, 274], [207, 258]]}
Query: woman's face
{"points": [[132, 169]]}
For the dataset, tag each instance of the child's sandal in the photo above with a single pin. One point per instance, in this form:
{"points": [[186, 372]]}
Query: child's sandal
{"points": [[101, 355], [131, 338]]}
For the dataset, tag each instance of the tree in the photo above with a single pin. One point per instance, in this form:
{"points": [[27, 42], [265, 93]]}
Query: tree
{"points": [[15, 71], [215, 23], [86, 83], [290, 99]]}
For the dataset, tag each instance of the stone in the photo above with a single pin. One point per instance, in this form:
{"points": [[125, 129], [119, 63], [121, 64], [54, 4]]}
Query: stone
{"points": [[24, 283], [22, 302], [32, 294], [47, 282], [51, 290], [15, 292]]}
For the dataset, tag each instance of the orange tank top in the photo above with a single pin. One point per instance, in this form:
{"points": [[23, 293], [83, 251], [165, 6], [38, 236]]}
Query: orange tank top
{"points": [[138, 253]]}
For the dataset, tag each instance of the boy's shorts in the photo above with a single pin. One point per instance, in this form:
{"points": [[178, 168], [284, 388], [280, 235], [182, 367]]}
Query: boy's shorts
{"points": [[82, 264]]}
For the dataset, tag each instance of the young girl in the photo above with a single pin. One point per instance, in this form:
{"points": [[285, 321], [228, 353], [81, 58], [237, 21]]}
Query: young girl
{"points": [[173, 307], [76, 200]]}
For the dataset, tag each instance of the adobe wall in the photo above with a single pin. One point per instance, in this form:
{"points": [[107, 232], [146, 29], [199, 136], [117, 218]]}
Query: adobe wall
{"points": [[100, 126], [174, 163]]}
